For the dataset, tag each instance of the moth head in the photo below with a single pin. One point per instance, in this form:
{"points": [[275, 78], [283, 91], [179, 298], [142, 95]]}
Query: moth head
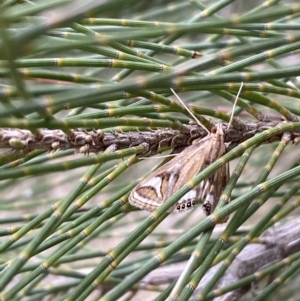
{"points": [[213, 130]]}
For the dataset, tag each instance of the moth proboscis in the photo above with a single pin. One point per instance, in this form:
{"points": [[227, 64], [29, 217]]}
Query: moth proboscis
{"points": [[157, 187]]}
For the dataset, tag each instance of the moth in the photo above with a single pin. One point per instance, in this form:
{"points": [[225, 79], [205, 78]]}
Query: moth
{"points": [[157, 187]]}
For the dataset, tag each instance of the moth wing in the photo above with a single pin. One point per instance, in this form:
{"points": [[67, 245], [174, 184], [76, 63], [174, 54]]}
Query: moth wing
{"points": [[210, 189], [218, 182], [169, 178]]}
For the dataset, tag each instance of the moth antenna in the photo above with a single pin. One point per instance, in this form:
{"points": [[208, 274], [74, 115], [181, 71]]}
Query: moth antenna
{"points": [[234, 105], [194, 117]]}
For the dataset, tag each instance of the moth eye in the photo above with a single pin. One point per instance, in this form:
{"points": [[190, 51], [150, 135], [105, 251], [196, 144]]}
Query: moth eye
{"points": [[213, 130], [207, 161]]}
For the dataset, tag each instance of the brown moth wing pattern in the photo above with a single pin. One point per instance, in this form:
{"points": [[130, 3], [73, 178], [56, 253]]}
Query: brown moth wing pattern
{"points": [[166, 180], [218, 181], [169, 178]]}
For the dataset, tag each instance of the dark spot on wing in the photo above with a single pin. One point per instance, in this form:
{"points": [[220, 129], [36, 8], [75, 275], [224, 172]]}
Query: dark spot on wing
{"points": [[189, 204]]}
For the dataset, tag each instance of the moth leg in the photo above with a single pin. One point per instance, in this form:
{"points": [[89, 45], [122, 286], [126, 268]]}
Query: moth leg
{"points": [[164, 142], [145, 150], [180, 139], [177, 150]]}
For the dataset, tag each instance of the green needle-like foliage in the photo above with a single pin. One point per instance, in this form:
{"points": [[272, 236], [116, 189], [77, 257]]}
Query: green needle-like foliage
{"points": [[85, 105]]}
